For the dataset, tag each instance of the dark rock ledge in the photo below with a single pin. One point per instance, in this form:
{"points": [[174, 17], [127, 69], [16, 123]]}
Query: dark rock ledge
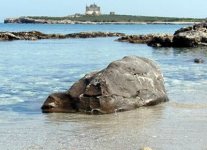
{"points": [[35, 35], [154, 40], [125, 84], [191, 36]]}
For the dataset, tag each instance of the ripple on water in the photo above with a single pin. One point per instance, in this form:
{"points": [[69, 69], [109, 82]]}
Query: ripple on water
{"points": [[6, 99]]}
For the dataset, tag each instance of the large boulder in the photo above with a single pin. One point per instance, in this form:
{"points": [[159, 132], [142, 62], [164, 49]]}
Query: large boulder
{"points": [[124, 85], [191, 36]]}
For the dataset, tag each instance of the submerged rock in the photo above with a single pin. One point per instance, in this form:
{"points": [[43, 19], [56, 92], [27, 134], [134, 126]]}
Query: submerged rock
{"points": [[198, 60], [124, 85]]}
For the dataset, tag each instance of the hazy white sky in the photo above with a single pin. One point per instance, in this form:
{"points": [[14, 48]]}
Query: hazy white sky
{"points": [[172, 8]]}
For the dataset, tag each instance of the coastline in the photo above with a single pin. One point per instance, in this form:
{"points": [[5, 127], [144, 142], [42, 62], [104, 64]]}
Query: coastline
{"points": [[131, 23], [28, 20], [111, 23]]}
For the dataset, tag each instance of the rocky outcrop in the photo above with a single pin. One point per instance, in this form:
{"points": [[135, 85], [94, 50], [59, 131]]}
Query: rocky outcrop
{"points": [[165, 40], [7, 36], [94, 34], [191, 36], [31, 35], [141, 39], [125, 84], [154, 40], [35, 35]]}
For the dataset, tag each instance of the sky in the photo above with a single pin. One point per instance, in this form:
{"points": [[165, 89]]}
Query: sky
{"points": [[168, 8]]}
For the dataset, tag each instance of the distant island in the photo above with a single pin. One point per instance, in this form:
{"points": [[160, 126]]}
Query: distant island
{"points": [[103, 19], [93, 15]]}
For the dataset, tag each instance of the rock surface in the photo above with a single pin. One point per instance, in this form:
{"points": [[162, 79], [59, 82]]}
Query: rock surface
{"points": [[143, 39], [35, 35], [165, 40], [125, 84], [154, 40], [191, 36]]}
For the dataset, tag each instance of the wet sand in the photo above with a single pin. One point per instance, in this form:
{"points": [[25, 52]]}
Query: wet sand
{"points": [[167, 126]]}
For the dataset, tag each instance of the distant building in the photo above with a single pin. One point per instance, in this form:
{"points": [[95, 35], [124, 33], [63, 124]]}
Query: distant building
{"points": [[112, 13], [93, 10]]}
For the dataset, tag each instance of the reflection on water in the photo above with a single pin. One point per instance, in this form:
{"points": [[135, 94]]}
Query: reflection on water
{"points": [[200, 52], [188, 105]]}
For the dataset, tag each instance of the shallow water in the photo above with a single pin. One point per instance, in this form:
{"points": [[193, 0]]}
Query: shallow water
{"points": [[30, 70]]}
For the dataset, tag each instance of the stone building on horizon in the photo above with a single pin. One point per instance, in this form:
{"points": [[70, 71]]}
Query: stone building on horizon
{"points": [[93, 10]]}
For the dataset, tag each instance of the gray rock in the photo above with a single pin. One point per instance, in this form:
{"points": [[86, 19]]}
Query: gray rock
{"points": [[124, 85]]}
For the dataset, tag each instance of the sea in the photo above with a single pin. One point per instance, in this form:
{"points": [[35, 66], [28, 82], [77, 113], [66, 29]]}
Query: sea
{"points": [[31, 70]]}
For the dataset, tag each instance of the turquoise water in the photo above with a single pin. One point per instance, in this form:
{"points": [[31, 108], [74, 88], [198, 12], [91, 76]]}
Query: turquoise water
{"points": [[62, 28], [30, 70]]}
